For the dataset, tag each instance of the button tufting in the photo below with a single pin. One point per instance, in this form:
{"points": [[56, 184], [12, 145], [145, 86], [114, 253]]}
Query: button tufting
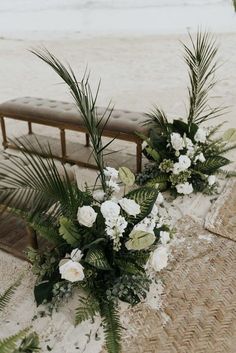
{"points": [[116, 116]]}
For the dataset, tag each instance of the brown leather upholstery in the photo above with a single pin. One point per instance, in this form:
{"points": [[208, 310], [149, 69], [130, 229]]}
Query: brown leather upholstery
{"points": [[53, 112]]}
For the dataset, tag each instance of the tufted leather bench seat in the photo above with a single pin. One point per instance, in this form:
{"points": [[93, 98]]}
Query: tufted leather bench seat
{"points": [[64, 115]]}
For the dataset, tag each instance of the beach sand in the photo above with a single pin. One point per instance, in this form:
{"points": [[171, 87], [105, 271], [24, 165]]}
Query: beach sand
{"points": [[136, 73]]}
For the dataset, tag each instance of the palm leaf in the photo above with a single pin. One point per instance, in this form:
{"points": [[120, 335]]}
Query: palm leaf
{"points": [[200, 58], [9, 344], [7, 295], [86, 104], [157, 119], [112, 326]]}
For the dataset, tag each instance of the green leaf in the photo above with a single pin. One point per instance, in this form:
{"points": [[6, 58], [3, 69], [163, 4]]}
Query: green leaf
{"points": [[96, 258], [145, 197], [126, 176], [180, 126], [140, 240], [212, 164], [43, 292], [153, 153], [69, 232], [230, 135], [88, 308], [30, 344], [9, 344], [159, 182], [7, 295]]}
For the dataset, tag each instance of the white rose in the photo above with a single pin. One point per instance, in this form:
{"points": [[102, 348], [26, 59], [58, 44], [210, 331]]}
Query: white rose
{"points": [[71, 271], [99, 195], [200, 135], [183, 164], [111, 173], [160, 198], [130, 206], [76, 255], [200, 157], [159, 258], [86, 216], [211, 180], [177, 141], [110, 209], [164, 237], [185, 188], [177, 168]]}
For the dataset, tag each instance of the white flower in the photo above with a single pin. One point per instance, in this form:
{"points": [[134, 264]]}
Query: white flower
{"points": [[200, 157], [99, 195], [211, 180], [201, 135], [130, 206], [160, 198], [146, 225], [76, 255], [115, 228], [110, 209], [185, 188], [164, 237], [188, 143], [111, 173], [177, 141], [113, 185], [71, 271], [86, 216], [159, 258], [183, 164]]}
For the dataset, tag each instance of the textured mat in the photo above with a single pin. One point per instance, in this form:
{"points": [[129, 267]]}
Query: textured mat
{"points": [[221, 219], [198, 312]]}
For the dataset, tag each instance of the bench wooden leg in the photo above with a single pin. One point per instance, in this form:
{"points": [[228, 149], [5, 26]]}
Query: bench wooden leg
{"points": [[63, 143], [32, 236], [87, 140], [4, 134], [30, 131], [139, 156]]}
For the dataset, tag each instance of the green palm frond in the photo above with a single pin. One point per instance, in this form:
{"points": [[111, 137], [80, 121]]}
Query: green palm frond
{"points": [[158, 120], [215, 129], [7, 295], [9, 344], [200, 58], [112, 326], [86, 104], [88, 308]]}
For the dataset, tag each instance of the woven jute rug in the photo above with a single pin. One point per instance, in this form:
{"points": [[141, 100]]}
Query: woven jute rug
{"points": [[198, 313], [221, 219]]}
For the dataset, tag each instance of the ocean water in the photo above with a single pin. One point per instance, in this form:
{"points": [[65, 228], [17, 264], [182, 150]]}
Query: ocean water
{"points": [[50, 18]]}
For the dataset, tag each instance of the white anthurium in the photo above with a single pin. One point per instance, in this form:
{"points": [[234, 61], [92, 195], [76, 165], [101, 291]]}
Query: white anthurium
{"points": [[110, 209], [200, 157], [159, 258], [177, 141], [130, 206], [211, 180], [71, 271], [76, 255], [201, 135], [86, 216], [184, 188]]}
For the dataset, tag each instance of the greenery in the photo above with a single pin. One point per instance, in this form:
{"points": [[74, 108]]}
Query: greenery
{"points": [[183, 155], [22, 341], [99, 242]]}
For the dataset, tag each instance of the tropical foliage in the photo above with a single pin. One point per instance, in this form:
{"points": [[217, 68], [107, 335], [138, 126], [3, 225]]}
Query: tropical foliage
{"points": [[99, 241], [22, 341], [184, 155]]}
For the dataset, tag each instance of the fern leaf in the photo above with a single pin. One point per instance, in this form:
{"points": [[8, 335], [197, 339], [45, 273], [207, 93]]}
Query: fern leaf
{"points": [[97, 259], [111, 325], [9, 344], [7, 295], [145, 197], [88, 309], [68, 231], [212, 164], [29, 344]]}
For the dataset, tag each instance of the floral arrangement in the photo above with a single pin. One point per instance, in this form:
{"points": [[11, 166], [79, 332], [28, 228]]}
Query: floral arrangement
{"points": [[185, 156], [100, 241]]}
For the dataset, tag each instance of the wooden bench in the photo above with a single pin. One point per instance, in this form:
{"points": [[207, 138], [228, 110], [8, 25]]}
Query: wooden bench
{"points": [[64, 115]]}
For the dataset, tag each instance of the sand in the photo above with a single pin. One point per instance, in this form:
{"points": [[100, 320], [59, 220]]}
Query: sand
{"points": [[136, 73]]}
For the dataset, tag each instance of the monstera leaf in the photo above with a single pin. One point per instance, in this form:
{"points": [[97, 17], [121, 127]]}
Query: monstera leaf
{"points": [[140, 240], [145, 198]]}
